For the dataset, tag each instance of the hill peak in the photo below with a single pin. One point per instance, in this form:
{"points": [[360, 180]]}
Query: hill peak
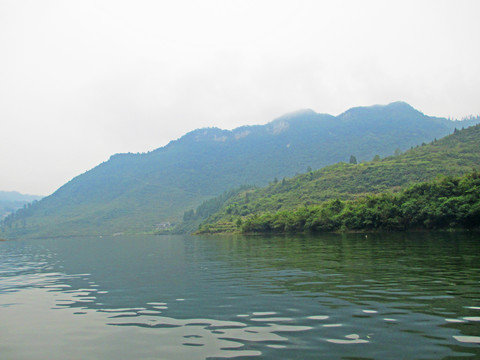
{"points": [[397, 108], [295, 114]]}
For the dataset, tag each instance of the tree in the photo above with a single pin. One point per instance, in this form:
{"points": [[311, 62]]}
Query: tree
{"points": [[353, 159], [239, 222], [376, 158]]}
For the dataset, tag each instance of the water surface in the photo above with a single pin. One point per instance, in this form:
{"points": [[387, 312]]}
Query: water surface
{"points": [[391, 296]]}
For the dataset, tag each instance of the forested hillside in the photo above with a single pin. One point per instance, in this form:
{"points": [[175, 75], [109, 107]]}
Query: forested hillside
{"points": [[456, 154], [145, 192], [11, 201]]}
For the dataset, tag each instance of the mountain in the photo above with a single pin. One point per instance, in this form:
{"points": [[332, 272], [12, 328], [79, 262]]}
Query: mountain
{"points": [[455, 154], [142, 192], [10, 201], [16, 196]]}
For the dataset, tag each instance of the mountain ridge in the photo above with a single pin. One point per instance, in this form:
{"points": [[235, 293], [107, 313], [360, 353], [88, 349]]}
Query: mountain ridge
{"points": [[453, 155], [135, 192]]}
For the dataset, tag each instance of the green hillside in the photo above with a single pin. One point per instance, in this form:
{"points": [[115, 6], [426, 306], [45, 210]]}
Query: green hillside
{"points": [[455, 154], [146, 192]]}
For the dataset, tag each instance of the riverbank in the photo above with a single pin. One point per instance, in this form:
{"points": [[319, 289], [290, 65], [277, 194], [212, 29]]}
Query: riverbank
{"points": [[441, 204]]}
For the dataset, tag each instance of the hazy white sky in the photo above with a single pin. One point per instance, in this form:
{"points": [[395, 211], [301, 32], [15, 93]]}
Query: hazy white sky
{"points": [[82, 80]]}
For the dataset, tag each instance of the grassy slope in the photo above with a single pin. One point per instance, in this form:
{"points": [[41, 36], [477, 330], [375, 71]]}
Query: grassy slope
{"points": [[455, 154]]}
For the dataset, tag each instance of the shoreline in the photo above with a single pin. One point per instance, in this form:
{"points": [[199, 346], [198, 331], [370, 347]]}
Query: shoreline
{"points": [[367, 231]]}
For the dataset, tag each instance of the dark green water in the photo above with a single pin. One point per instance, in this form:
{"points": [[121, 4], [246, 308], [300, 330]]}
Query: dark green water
{"points": [[392, 296]]}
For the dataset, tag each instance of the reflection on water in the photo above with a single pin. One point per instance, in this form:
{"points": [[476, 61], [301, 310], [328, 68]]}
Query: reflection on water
{"points": [[336, 297]]}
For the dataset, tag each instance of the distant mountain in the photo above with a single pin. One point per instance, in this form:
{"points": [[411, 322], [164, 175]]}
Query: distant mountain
{"points": [[142, 192], [455, 154], [10, 201], [16, 196]]}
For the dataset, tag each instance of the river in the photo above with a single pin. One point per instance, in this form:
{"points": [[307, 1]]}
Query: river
{"points": [[356, 296]]}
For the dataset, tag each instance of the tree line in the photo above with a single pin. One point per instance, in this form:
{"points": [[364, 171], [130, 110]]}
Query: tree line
{"points": [[446, 202]]}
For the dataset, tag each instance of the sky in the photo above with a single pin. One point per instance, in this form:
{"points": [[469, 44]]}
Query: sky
{"points": [[82, 80]]}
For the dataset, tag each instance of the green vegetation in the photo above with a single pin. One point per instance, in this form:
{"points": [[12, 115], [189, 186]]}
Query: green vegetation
{"points": [[338, 196], [193, 218], [135, 193], [448, 202]]}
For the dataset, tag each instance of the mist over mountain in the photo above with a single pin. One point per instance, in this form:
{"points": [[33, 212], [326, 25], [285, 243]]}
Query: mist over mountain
{"points": [[10, 201], [16, 196], [139, 192]]}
